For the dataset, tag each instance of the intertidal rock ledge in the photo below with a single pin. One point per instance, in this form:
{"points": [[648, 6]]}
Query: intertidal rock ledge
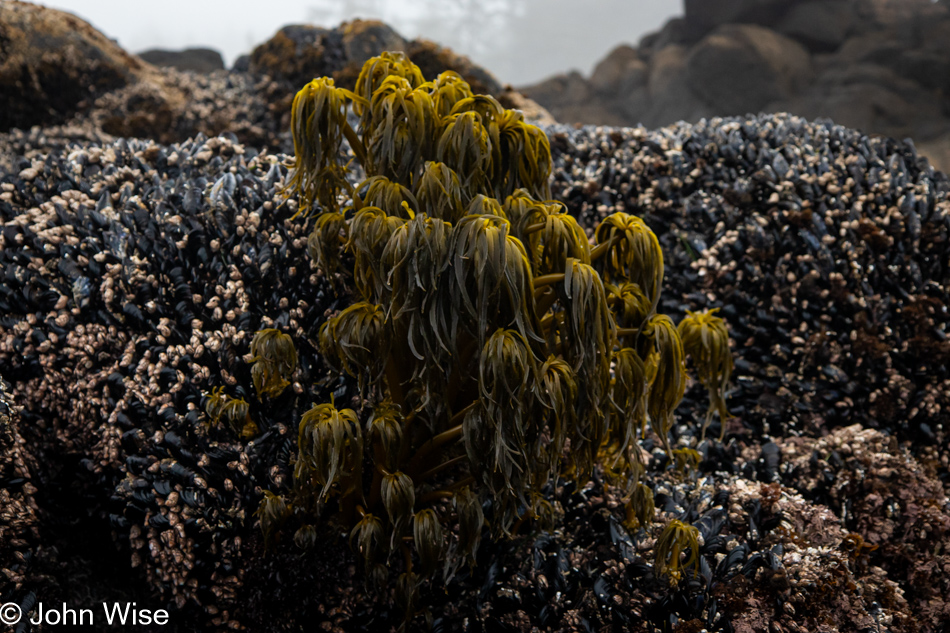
{"points": [[135, 274]]}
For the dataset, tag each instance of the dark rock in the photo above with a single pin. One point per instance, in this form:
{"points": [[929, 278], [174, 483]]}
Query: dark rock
{"points": [[702, 16], [620, 72], [821, 26], [242, 64], [929, 69], [53, 64], [570, 99], [673, 32], [889, 12], [298, 53], [670, 93], [433, 59], [740, 68], [839, 318], [199, 60], [870, 97], [363, 39]]}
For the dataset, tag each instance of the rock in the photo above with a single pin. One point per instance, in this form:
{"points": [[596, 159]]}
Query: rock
{"points": [[867, 47], [671, 98], [533, 111], [620, 72], [929, 69], [889, 12], [363, 39], [870, 97], [821, 26], [892, 502], [571, 95], [298, 53], [740, 68], [242, 64], [53, 64], [199, 60], [935, 35], [702, 16], [799, 274], [937, 151], [433, 59], [673, 32], [882, 66]]}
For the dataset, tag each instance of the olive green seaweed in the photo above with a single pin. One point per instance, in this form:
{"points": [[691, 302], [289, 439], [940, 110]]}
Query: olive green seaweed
{"points": [[497, 346], [676, 539], [706, 340]]}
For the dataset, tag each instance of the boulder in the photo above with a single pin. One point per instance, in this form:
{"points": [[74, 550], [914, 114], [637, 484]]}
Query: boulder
{"points": [[363, 39], [199, 60], [675, 31], [702, 16], [935, 35], [868, 48], [882, 66], [298, 53], [821, 26], [740, 68], [670, 96], [620, 72], [928, 65], [532, 111], [570, 98], [570, 89], [433, 59], [890, 12], [929, 69], [242, 64], [53, 64], [870, 98]]}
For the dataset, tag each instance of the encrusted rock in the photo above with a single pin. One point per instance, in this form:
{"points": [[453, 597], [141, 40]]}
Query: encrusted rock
{"points": [[53, 64], [893, 502]]}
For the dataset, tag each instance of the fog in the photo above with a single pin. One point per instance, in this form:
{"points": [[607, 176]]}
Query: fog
{"points": [[520, 41]]}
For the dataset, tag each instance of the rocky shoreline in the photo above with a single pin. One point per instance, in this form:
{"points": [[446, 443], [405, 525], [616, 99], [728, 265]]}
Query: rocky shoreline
{"points": [[135, 274], [136, 271], [875, 65]]}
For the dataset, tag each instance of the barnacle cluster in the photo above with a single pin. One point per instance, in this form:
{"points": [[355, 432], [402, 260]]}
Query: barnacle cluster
{"points": [[19, 524], [497, 346]]}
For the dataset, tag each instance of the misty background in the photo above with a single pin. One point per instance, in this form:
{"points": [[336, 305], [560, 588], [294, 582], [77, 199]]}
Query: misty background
{"points": [[519, 41]]}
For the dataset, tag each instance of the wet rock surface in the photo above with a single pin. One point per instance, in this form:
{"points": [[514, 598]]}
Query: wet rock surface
{"points": [[136, 272], [52, 64], [879, 66]]}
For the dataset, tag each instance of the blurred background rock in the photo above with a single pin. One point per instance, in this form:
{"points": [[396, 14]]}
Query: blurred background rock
{"points": [[880, 66]]}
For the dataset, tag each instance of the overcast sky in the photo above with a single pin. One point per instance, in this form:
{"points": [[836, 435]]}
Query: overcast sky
{"points": [[520, 41]]}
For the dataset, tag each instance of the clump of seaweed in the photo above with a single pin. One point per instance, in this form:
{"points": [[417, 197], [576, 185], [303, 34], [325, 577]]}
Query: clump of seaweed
{"points": [[706, 340], [497, 347]]}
